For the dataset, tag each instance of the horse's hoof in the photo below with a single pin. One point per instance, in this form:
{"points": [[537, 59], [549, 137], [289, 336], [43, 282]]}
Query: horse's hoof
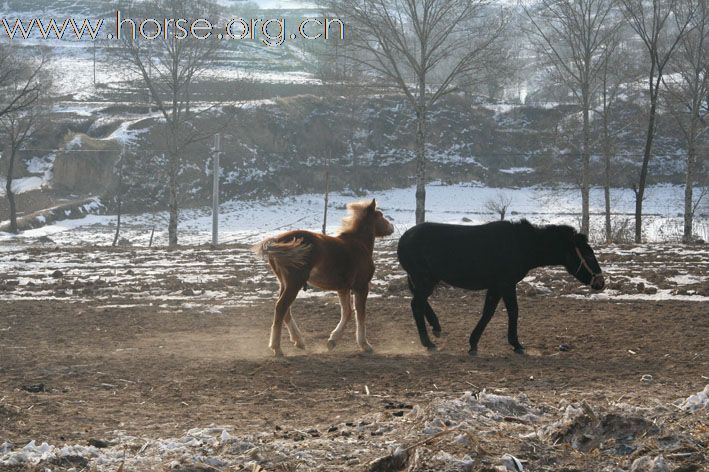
{"points": [[431, 347], [519, 350], [278, 354], [299, 344], [331, 343], [473, 353], [436, 333], [367, 348]]}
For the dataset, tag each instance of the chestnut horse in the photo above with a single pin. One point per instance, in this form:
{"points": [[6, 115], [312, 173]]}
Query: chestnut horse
{"points": [[342, 263]]}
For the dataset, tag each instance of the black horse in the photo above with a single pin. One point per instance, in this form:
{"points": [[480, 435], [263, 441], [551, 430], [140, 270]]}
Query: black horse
{"points": [[494, 256]]}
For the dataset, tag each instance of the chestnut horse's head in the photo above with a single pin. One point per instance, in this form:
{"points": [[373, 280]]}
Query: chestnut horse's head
{"points": [[365, 215], [382, 226]]}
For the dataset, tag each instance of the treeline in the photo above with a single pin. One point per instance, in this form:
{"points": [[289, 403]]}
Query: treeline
{"points": [[590, 54]]}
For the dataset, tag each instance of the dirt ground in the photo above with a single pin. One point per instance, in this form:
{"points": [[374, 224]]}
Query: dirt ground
{"points": [[74, 372]]}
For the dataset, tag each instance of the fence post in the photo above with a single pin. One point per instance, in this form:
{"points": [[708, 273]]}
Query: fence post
{"points": [[215, 190]]}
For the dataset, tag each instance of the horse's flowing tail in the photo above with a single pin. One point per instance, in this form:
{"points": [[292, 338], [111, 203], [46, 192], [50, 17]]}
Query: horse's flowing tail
{"points": [[410, 283], [292, 254]]}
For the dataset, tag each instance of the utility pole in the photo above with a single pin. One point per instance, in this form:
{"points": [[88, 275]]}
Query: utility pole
{"points": [[327, 190], [215, 189]]}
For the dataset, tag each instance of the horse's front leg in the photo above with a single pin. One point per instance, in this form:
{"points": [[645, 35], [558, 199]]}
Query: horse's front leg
{"points": [[345, 315], [492, 298], [360, 297], [510, 297]]}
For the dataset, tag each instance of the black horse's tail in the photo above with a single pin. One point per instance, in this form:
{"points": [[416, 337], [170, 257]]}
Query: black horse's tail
{"points": [[410, 283], [426, 286]]}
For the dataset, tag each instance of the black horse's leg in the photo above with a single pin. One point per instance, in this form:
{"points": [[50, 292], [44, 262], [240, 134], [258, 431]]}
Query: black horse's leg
{"points": [[420, 307], [432, 320], [509, 295], [492, 298]]}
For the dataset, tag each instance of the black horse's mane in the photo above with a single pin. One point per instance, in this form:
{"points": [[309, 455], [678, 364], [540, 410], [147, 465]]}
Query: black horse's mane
{"points": [[560, 232]]}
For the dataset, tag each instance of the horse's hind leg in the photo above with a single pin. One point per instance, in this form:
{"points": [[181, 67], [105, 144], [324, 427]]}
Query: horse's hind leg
{"points": [[290, 289], [432, 320], [492, 298], [345, 315], [295, 335], [510, 298], [421, 309]]}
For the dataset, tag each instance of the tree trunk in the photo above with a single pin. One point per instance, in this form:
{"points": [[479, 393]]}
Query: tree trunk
{"points": [[585, 169], [187, 98], [420, 164], [119, 200], [606, 153], [13, 206], [173, 204], [327, 197], [118, 226], [175, 149], [640, 193], [9, 193], [607, 165], [688, 191], [607, 187]]}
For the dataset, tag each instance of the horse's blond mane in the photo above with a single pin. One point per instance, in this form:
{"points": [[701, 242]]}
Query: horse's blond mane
{"points": [[356, 211]]}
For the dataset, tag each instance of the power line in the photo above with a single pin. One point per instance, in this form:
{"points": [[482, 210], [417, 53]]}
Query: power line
{"points": [[86, 150], [434, 158]]}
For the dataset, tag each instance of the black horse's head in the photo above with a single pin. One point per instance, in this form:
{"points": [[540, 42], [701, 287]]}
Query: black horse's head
{"points": [[580, 261]]}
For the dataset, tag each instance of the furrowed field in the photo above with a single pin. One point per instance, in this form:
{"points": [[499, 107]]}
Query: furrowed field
{"points": [[152, 359]]}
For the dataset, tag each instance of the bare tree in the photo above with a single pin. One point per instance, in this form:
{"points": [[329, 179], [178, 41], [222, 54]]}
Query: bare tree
{"points": [[17, 128], [616, 72], [20, 83], [505, 68], [340, 77], [660, 25], [168, 67], [499, 205], [343, 80], [688, 96], [425, 49], [21, 87], [573, 36], [333, 63], [324, 143], [120, 193]]}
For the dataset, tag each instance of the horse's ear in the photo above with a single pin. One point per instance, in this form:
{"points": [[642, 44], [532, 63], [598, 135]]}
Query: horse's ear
{"points": [[526, 224], [372, 206]]}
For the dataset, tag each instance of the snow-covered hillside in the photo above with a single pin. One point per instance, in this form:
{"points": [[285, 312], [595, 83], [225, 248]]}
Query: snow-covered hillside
{"points": [[73, 64]]}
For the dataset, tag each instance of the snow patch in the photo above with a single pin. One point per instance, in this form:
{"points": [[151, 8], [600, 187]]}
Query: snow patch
{"points": [[698, 401], [22, 185], [517, 170], [686, 279]]}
